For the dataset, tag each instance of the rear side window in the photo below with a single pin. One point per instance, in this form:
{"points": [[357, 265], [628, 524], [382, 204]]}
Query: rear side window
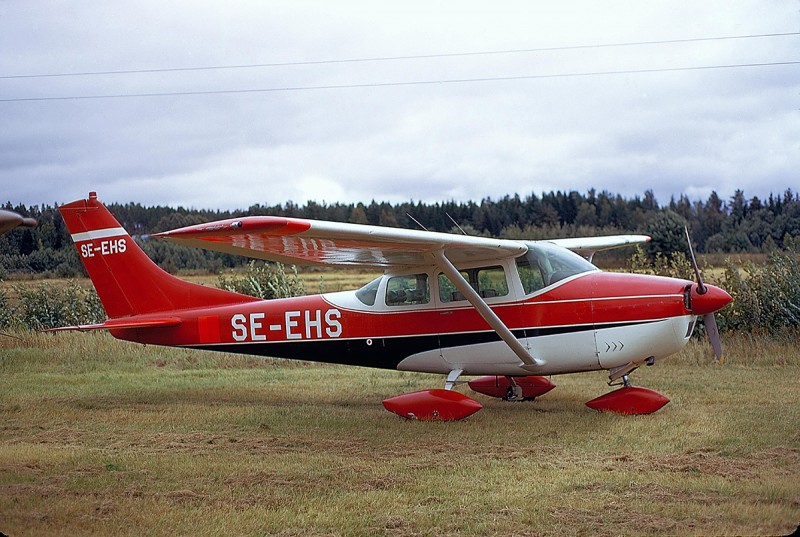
{"points": [[407, 290], [489, 282]]}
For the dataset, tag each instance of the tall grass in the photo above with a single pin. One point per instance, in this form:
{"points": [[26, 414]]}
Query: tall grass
{"points": [[265, 280], [45, 305], [766, 296]]}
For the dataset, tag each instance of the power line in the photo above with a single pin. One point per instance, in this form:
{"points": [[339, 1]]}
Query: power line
{"points": [[401, 83], [397, 58]]}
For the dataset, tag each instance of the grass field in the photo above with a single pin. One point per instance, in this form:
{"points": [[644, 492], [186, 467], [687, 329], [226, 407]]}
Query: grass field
{"points": [[100, 437], [314, 279]]}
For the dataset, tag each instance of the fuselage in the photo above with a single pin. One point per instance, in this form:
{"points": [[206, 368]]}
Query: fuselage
{"points": [[589, 321]]}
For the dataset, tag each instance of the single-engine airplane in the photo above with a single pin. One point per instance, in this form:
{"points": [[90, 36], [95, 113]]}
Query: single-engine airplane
{"points": [[10, 220], [509, 312]]}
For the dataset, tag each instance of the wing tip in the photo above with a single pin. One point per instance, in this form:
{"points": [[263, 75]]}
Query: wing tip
{"points": [[266, 225]]}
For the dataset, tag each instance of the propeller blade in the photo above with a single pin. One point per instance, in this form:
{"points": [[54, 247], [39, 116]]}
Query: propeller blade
{"points": [[713, 336], [710, 321], [701, 289]]}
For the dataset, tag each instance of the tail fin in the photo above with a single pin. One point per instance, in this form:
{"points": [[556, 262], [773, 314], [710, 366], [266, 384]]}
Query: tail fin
{"points": [[127, 281]]}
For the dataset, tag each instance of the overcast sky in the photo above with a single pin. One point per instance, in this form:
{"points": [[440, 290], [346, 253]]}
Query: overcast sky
{"points": [[508, 127]]}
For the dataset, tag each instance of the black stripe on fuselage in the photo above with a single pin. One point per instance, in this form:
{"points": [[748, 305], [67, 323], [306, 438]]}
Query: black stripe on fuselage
{"points": [[386, 353]]}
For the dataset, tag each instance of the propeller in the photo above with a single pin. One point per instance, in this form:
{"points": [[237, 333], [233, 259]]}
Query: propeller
{"points": [[9, 220], [708, 319]]}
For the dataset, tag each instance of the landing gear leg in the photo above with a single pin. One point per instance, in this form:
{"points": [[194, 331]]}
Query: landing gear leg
{"points": [[621, 372], [452, 377], [514, 391]]}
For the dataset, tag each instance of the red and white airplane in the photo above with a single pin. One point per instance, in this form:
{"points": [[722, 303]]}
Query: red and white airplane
{"points": [[510, 312]]}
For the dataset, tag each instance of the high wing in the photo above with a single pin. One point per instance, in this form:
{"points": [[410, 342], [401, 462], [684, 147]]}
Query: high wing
{"points": [[320, 242], [302, 241], [588, 246]]}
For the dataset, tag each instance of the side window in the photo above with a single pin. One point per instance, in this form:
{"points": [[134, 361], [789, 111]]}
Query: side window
{"points": [[407, 290], [489, 282], [447, 289], [492, 282]]}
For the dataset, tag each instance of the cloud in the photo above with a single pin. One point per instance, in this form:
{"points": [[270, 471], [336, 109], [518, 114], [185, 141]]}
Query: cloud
{"points": [[675, 132]]}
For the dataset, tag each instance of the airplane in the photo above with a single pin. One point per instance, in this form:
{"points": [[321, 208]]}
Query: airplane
{"points": [[510, 313], [10, 220]]}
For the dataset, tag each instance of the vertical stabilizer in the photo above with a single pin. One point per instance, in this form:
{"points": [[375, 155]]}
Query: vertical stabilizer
{"points": [[127, 281]]}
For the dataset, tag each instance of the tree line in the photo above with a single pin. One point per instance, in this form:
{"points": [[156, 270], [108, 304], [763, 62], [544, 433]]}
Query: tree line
{"points": [[739, 224]]}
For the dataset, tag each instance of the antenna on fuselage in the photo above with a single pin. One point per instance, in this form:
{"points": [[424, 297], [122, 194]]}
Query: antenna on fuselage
{"points": [[453, 220], [416, 221]]}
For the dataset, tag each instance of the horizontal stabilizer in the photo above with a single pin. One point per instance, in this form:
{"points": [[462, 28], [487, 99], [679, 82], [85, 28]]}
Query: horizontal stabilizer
{"points": [[121, 324]]}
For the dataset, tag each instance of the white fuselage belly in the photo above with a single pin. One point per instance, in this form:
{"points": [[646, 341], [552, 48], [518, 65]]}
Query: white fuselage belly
{"points": [[590, 350]]}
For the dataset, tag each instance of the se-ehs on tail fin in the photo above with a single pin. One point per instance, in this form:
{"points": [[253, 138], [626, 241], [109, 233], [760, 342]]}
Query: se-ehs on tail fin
{"points": [[127, 281]]}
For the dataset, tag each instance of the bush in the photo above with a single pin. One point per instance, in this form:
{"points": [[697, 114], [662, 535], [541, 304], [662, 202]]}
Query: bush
{"points": [[265, 280], [14, 263], [50, 306], [676, 265], [46, 262], [766, 298], [6, 313]]}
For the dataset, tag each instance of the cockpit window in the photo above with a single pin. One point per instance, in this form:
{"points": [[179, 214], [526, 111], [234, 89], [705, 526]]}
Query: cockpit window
{"points": [[368, 293], [545, 264], [407, 290]]}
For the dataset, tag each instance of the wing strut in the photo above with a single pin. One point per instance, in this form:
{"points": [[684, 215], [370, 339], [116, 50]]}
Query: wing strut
{"points": [[528, 361]]}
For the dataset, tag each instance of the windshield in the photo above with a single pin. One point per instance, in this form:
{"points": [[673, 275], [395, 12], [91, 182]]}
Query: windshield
{"points": [[368, 293], [545, 264]]}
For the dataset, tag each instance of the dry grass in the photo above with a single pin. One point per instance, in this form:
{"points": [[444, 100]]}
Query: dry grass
{"points": [[100, 437], [331, 279], [315, 279]]}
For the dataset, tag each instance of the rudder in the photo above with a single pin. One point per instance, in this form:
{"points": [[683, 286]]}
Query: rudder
{"points": [[127, 281]]}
